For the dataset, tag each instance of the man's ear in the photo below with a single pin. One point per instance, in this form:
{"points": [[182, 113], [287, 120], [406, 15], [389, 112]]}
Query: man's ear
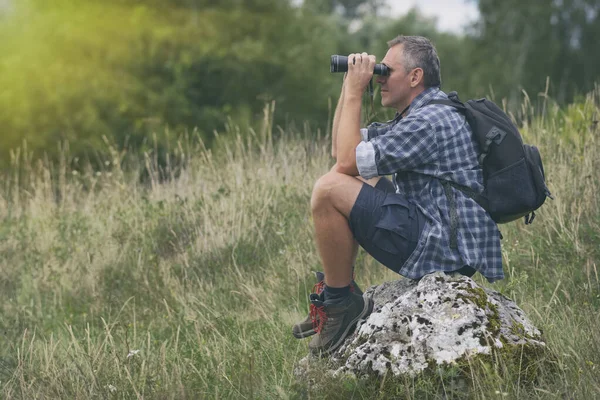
{"points": [[416, 77]]}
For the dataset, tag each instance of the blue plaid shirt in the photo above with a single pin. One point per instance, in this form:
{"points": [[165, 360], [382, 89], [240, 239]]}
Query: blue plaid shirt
{"points": [[433, 143]]}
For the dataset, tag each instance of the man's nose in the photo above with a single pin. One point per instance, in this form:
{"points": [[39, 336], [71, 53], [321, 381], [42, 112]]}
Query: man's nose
{"points": [[381, 79]]}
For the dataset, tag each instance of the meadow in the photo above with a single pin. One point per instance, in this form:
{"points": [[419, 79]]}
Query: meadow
{"points": [[181, 279]]}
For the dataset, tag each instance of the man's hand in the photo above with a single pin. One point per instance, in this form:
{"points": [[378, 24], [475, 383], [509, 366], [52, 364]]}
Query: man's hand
{"points": [[360, 72]]}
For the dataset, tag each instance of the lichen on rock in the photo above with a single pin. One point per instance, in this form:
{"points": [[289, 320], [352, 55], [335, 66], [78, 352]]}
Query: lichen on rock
{"points": [[441, 319]]}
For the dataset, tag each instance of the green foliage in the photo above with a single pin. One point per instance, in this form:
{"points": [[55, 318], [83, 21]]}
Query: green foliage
{"points": [[81, 71], [140, 74], [519, 44], [349, 9]]}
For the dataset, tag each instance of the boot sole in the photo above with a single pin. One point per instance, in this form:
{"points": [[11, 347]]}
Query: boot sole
{"points": [[367, 309], [305, 334]]}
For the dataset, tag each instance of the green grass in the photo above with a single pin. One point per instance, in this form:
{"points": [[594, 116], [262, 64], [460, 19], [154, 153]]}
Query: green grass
{"points": [[186, 285]]}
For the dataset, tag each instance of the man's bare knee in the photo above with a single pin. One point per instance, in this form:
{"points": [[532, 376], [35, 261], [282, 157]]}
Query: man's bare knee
{"points": [[335, 190], [321, 190]]}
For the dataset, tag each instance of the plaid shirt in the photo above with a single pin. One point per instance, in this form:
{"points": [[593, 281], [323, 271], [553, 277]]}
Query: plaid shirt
{"points": [[433, 143]]}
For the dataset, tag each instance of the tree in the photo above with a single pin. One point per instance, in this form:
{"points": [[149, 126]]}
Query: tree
{"points": [[348, 9], [78, 71], [518, 44]]}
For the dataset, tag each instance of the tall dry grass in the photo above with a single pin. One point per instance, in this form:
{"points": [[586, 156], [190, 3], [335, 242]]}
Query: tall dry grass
{"points": [[185, 283]]}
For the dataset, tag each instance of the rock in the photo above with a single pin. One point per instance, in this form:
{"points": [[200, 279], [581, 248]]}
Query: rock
{"points": [[441, 319]]}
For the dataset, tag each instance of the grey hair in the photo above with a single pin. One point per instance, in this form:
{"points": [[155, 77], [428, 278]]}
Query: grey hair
{"points": [[419, 52]]}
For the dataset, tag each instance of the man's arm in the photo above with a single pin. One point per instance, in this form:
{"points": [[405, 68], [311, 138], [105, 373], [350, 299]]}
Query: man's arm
{"points": [[336, 121], [348, 133], [348, 136]]}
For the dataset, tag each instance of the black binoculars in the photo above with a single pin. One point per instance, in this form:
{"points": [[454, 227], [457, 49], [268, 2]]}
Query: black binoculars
{"points": [[340, 64]]}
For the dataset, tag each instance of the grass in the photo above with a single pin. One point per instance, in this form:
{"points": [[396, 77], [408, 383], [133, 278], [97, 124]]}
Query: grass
{"points": [[185, 284]]}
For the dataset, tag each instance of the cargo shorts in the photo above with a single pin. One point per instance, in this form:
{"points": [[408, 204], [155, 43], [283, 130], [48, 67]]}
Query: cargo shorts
{"points": [[386, 224]]}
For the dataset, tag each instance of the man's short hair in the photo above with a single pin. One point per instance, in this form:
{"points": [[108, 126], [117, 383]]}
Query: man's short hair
{"points": [[419, 52]]}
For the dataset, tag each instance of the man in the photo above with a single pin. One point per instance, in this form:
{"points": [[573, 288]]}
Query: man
{"points": [[425, 224]]}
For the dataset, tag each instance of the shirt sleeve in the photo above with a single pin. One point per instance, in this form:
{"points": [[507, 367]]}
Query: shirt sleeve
{"points": [[410, 144], [364, 134], [365, 160]]}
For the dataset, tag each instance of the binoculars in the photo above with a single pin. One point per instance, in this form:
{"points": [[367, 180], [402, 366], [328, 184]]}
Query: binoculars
{"points": [[340, 64]]}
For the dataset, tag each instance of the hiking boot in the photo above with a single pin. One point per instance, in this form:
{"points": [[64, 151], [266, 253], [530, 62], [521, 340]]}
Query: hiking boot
{"points": [[307, 327], [336, 321]]}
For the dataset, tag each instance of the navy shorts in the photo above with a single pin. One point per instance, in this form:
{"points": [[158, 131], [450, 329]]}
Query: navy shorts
{"points": [[386, 224]]}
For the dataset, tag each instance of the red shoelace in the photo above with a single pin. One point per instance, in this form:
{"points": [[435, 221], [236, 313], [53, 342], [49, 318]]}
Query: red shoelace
{"points": [[319, 287], [317, 314]]}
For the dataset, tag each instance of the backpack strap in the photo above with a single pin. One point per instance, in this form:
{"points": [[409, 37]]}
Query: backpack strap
{"points": [[455, 104], [452, 101], [479, 199], [453, 214]]}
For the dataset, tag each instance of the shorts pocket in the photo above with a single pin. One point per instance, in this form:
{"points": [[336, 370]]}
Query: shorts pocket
{"points": [[391, 232]]}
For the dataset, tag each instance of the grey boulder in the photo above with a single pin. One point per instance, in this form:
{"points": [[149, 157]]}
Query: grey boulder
{"points": [[439, 320]]}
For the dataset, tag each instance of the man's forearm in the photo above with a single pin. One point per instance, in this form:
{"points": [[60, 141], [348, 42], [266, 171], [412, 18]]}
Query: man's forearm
{"points": [[348, 134], [336, 122]]}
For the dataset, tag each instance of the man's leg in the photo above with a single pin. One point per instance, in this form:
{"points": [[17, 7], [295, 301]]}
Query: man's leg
{"points": [[339, 310], [332, 200], [306, 327]]}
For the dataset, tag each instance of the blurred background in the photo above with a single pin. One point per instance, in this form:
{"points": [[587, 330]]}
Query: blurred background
{"points": [[136, 75]]}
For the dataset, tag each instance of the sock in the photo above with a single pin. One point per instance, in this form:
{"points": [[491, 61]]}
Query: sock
{"points": [[336, 295]]}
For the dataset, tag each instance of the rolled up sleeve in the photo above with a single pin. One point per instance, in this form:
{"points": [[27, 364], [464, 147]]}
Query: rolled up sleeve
{"points": [[365, 160], [364, 134]]}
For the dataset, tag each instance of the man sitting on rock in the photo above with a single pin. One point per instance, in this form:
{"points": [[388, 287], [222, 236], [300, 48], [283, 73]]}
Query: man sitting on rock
{"points": [[416, 226]]}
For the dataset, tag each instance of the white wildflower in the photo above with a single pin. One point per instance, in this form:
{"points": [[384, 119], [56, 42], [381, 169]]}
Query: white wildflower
{"points": [[132, 353]]}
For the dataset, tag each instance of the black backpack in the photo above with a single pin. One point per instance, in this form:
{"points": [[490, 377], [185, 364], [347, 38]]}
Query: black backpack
{"points": [[513, 174]]}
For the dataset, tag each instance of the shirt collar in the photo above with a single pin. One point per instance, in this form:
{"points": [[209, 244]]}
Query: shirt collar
{"points": [[423, 98]]}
